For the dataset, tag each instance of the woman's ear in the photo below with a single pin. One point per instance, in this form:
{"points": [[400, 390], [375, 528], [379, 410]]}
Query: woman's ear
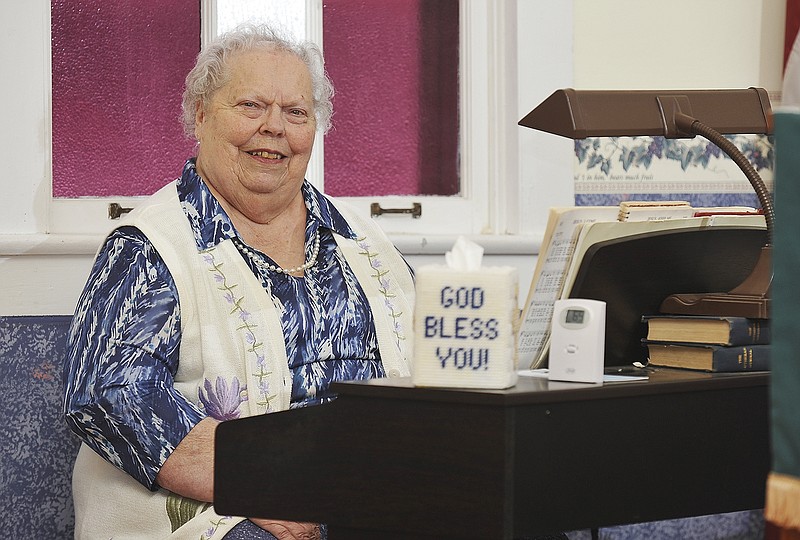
{"points": [[199, 117]]}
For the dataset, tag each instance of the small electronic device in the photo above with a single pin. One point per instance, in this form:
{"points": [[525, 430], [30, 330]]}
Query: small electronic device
{"points": [[577, 340]]}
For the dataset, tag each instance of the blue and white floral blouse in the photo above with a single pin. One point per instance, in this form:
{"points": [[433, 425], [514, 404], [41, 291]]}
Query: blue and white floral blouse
{"points": [[117, 378]]}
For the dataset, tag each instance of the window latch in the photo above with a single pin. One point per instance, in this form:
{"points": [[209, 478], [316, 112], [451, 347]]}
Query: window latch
{"points": [[115, 210], [376, 210]]}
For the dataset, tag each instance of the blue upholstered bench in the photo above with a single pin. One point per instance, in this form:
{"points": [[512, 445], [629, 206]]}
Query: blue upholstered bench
{"points": [[36, 448], [733, 526], [37, 451]]}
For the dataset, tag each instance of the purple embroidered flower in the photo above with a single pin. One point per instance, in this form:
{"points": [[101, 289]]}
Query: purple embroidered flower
{"points": [[222, 403]]}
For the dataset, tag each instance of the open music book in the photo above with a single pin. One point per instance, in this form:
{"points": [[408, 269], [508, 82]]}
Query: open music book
{"points": [[571, 231]]}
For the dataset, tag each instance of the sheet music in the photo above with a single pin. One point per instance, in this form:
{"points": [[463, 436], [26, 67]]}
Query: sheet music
{"points": [[551, 267], [535, 327], [552, 270]]}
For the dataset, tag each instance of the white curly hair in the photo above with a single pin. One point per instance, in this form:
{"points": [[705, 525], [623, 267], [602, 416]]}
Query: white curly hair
{"points": [[210, 72]]}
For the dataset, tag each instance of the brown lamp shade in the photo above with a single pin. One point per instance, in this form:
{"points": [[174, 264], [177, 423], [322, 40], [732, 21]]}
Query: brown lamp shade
{"points": [[578, 114]]}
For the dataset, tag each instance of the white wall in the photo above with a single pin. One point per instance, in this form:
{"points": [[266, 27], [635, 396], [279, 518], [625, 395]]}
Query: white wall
{"points": [[649, 44], [24, 106], [617, 44]]}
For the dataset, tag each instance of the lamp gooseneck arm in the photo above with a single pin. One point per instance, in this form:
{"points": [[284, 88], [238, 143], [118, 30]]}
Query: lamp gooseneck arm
{"points": [[751, 298], [695, 127]]}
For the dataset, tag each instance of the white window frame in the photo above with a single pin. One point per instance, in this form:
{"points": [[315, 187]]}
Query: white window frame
{"points": [[472, 211], [490, 176]]}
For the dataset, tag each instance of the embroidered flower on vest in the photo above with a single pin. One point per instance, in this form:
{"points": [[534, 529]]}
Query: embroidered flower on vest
{"points": [[222, 403], [245, 328]]}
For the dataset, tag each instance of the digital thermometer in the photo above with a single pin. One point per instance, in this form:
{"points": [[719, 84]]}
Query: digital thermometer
{"points": [[577, 340]]}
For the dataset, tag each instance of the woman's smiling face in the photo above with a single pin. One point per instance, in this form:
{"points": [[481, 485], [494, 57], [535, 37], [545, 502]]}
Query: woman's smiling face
{"points": [[257, 131]]}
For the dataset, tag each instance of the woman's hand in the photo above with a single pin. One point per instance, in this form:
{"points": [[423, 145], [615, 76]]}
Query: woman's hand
{"points": [[289, 530]]}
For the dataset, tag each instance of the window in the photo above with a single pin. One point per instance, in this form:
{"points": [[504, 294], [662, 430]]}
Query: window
{"points": [[397, 134], [474, 182], [489, 168], [118, 73], [117, 78], [395, 71]]}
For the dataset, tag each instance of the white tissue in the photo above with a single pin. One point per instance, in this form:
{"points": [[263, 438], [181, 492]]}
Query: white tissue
{"points": [[466, 256]]}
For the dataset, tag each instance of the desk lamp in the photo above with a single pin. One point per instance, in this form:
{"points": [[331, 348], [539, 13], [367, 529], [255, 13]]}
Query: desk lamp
{"points": [[578, 114]]}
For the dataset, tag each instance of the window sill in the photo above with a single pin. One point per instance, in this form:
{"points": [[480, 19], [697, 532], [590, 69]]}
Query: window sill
{"points": [[408, 244], [493, 244], [49, 244]]}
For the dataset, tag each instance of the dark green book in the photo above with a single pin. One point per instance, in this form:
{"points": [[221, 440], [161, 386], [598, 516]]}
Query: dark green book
{"points": [[709, 357], [711, 330]]}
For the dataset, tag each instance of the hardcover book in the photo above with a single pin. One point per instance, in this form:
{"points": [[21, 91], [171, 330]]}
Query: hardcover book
{"points": [[714, 358], [707, 329]]}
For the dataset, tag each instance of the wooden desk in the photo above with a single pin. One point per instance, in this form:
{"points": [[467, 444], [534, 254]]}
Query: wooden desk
{"points": [[386, 460]]}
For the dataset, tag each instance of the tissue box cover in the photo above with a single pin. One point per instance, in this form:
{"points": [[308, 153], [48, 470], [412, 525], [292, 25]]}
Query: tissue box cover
{"points": [[465, 327]]}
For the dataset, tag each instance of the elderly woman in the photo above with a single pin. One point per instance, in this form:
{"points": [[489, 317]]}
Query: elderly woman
{"points": [[236, 290]]}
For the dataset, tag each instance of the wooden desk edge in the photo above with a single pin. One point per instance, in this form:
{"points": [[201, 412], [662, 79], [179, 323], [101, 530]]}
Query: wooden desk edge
{"points": [[530, 390]]}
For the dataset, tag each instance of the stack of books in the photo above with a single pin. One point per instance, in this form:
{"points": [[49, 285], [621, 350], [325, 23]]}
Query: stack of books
{"points": [[708, 343]]}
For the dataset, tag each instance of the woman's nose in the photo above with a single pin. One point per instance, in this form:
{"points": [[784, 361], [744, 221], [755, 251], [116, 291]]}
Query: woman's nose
{"points": [[272, 121]]}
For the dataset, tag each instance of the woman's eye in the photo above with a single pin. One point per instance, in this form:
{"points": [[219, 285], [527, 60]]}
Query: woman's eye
{"points": [[252, 109]]}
